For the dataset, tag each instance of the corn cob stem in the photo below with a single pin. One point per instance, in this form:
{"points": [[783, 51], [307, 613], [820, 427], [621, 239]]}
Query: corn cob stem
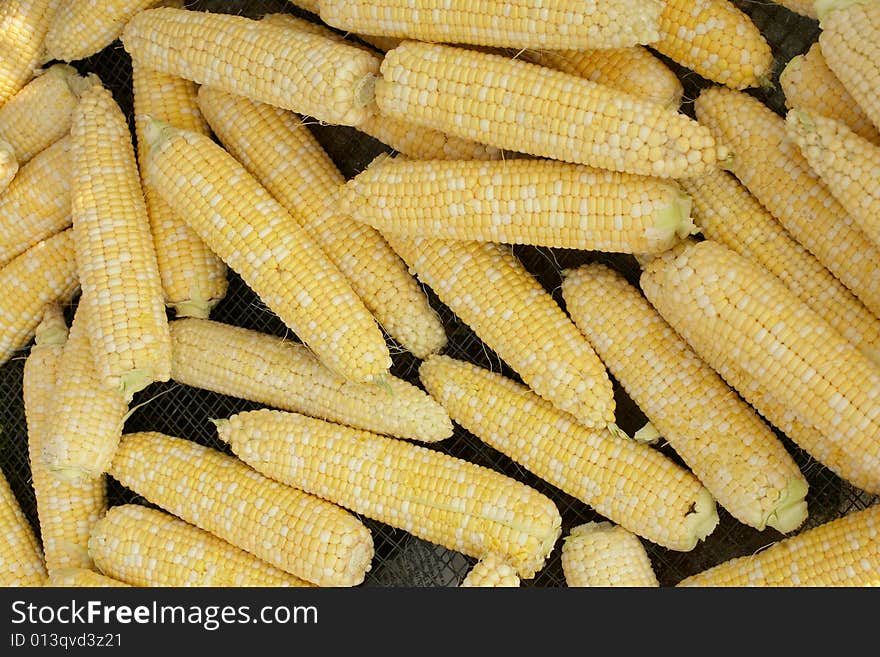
{"points": [[772, 167], [115, 255], [66, 511], [439, 498], [45, 273], [516, 24], [274, 255], [524, 107], [492, 571], [603, 554], [628, 482], [538, 202], [490, 290], [292, 530], [147, 547], [294, 69], [37, 203], [281, 153], [733, 311], [286, 375], [840, 552], [21, 559]]}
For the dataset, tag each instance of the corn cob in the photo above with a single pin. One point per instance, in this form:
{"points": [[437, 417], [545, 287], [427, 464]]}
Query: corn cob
{"points": [[721, 439], [115, 256], [841, 552], [717, 40], [40, 113], [603, 554], [803, 7], [294, 69], [731, 310], [381, 43], [147, 547], [81, 29], [523, 201], [284, 374], [490, 290], [258, 238], [21, 559], [37, 203], [808, 84], [83, 577], [727, 213], [771, 166], [491, 571], [517, 24], [292, 530], [848, 164], [626, 481], [193, 277], [45, 273], [87, 414], [525, 107], [633, 70], [66, 511], [401, 135], [439, 498], [284, 156], [308, 5], [850, 42], [8, 166], [23, 26]]}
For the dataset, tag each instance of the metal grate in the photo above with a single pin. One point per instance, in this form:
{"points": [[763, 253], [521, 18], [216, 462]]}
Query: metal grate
{"points": [[400, 558]]}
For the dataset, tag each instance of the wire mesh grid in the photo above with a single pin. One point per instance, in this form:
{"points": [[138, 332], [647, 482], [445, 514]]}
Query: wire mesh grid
{"points": [[400, 558]]}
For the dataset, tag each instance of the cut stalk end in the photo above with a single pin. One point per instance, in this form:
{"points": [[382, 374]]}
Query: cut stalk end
{"points": [[703, 519], [791, 508], [134, 381]]}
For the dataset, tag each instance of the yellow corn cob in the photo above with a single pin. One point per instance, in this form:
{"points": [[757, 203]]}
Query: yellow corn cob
{"points": [[727, 213], [308, 5], [294, 69], [83, 577], [731, 310], [516, 24], [803, 7], [434, 496], [633, 69], [292, 530], [603, 554], [626, 481], [491, 571], [808, 84], [8, 166], [381, 43], [67, 511], [840, 552], [772, 167], [490, 290], [717, 40], [522, 201], [721, 439], [23, 26], [281, 153], [40, 114], [848, 164], [850, 42], [81, 29], [274, 255], [37, 203], [21, 559], [115, 256], [87, 414], [147, 547], [401, 135], [528, 108], [284, 374], [193, 277], [45, 273]]}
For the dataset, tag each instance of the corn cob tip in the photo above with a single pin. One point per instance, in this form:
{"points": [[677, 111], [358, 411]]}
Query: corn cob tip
{"points": [[825, 7], [52, 330], [703, 519], [675, 219], [365, 90], [791, 508], [198, 305], [156, 132]]}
